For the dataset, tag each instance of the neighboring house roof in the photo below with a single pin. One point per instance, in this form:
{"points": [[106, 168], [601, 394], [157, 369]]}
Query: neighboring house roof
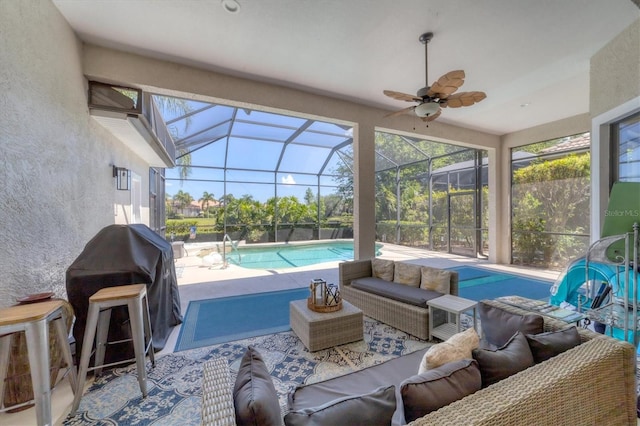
{"points": [[573, 144]]}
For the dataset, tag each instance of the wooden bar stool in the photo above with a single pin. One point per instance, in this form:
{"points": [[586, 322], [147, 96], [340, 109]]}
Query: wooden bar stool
{"points": [[33, 319], [135, 298]]}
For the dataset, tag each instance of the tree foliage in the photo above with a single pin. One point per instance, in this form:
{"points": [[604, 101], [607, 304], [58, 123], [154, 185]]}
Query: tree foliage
{"points": [[550, 196]]}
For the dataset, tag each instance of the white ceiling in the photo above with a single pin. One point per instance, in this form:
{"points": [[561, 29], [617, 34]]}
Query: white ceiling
{"points": [[517, 51]]}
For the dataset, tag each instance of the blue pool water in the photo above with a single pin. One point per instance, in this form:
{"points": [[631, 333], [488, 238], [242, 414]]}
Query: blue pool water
{"points": [[478, 284], [280, 256]]}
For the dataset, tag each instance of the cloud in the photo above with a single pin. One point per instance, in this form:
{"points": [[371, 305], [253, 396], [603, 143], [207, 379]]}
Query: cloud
{"points": [[288, 180]]}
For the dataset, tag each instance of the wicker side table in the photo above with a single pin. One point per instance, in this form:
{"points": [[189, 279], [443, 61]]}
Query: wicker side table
{"points": [[325, 330]]}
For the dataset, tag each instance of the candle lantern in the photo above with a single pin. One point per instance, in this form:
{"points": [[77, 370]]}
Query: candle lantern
{"points": [[323, 297]]}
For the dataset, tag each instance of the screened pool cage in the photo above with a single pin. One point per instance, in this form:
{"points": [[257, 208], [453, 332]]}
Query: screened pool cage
{"points": [[265, 177]]}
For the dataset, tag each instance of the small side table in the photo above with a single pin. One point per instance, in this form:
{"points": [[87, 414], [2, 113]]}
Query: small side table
{"points": [[454, 306]]}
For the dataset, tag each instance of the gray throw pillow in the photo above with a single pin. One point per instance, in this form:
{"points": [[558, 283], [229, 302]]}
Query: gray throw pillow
{"points": [[510, 359], [254, 397], [499, 325], [429, 391], [547, 345], [375, 408]]}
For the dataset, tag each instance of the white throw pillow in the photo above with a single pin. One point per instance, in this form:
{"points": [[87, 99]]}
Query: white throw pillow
{"points": [[457, 347]]}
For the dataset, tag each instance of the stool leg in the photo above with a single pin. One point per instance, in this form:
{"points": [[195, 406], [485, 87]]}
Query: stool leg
{"points": [[102, 335], [5, 351], [137, 333], [63, 341], [147, 331], [87, 348], [37, 334]]}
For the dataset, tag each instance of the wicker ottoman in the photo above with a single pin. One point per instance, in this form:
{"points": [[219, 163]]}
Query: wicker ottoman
{"points": [[325, 330]]}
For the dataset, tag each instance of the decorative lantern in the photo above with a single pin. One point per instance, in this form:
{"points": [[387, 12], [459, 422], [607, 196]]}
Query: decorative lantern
{"points": [[332, 295], [323, 297]]}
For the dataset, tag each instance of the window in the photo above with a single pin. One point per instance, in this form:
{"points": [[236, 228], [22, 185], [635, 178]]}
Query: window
{"points": [[625, 149], [550, 216]]}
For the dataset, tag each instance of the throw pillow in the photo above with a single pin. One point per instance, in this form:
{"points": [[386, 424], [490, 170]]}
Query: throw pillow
{"points": [[375, 408], [435, 279], [254, 396], [513, 357], [547, 345], [427, 392], [382, 269], [499, 325], [459, 346], [406, 273]]}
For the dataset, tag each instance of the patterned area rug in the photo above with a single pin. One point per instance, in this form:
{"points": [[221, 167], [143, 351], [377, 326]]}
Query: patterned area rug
{"points": [[174, 385]]}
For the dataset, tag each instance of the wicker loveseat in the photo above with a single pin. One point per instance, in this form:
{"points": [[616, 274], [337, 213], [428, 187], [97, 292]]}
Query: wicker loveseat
{"points": [[591, 384], [407, 317]]}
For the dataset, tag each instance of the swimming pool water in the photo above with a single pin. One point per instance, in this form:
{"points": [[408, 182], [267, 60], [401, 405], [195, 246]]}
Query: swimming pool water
{"points": [[292, 255]]}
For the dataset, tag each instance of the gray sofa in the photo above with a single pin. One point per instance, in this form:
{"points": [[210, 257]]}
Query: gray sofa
{"points": [[412, 318], [591, 384]]}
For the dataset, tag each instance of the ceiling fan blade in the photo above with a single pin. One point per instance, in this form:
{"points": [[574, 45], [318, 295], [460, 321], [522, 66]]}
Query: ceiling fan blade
{"points": [[402, 96], [402, 111], [447, 84], [432, 116], [463, 99]]}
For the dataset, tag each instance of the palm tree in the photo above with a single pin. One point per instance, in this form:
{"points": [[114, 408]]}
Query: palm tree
{"points": [[205, 200], [182, 200], [177, 106]]}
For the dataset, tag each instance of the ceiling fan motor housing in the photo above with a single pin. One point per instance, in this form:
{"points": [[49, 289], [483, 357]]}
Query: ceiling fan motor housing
{"points": [[426, 109]]}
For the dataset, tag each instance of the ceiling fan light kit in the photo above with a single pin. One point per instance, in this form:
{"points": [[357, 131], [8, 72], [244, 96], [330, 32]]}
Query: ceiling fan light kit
{"points": [[426, 109], [439, 95]]}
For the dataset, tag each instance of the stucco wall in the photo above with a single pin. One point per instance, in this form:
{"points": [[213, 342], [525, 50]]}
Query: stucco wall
{"points": [[615, 94], [615, 71], [57, 187]]}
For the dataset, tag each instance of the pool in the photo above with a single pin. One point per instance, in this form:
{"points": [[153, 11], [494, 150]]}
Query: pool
{"points": [[280, 256]]}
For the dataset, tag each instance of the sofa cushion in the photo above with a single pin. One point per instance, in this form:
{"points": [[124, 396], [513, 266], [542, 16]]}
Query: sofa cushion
{"points": [[547, 345], [429, 391], [435, 279], [513, 357], [400, 292], [254, 396], [391, 372], [457, 347], [383, 269], [374, 408], [407, 273], [499, 325]]}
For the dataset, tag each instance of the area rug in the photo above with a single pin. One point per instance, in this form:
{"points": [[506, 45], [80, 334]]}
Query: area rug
{"points": [[174, 385], [479, 283], [224, 319]]}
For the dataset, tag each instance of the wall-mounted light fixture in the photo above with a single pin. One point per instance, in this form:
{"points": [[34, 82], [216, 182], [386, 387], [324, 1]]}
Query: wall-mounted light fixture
{"points": [[123, 177]]}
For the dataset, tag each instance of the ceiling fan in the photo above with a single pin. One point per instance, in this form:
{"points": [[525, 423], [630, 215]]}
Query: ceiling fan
{"points": [[439, 95]]}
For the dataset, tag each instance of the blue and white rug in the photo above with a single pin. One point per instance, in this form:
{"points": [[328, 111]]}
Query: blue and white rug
{"points": [[174, 385]]}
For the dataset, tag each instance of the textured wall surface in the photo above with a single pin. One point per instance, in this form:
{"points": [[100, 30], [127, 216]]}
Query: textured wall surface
{"points": [[615, 71], [57, 187]]}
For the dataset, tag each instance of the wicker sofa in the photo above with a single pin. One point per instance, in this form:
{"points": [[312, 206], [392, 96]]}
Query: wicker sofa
{"points": [[403, 316], [591, 384]]}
